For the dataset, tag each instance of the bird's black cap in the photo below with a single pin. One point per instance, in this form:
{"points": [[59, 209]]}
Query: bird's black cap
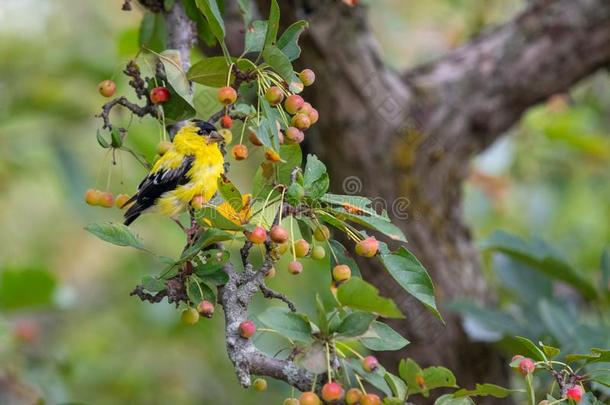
{"points": [[205, 128]]}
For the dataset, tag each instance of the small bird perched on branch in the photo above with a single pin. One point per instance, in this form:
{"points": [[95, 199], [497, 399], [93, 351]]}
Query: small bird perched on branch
{"points": [[191, 167]]}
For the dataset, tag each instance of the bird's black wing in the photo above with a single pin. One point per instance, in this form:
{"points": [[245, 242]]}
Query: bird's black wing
{"points": [[154, 185]]}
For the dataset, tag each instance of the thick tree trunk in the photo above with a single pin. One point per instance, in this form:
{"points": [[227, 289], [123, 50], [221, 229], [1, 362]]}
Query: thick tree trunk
{"points": [[409, 140]]}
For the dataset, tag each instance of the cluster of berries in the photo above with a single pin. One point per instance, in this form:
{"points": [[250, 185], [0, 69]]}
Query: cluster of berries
{"points": [[157, 95], [105, 198]]}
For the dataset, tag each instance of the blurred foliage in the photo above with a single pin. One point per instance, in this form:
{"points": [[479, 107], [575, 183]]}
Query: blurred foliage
{"points": [[69, 330]]}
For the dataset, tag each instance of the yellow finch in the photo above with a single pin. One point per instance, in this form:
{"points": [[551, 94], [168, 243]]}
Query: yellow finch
{"points": [[191, 167]]}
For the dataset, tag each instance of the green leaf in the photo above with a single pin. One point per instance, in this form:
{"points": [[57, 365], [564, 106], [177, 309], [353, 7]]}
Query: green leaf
{"points": [[230, 193], [529, 349], [422, 381], [289, 41], [340, 255], [404, 267], [549, 351], [359, 210], [152, 284], [100, 139], [449, 399], [483, 390], [280, 63], [315, 178], [180, 104], [198, 291], [321, 313], [602, 378], [210, 216], [210, 10], [211, 72], [279, 173], [541, 257], [213, 261], [26, 288], [153, 32], [246, 10], [115, 136], [375, 378], [255, 36], [117, 234], [381, 337], [358, 294], [274, 23], [203, 240], [398, 386], [289, 324], [355, 324], [596, 356]]}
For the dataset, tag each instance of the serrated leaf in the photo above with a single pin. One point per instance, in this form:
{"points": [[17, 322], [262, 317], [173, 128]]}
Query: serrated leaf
{"points": [[355, 324], [540, 256], [153, 32], [398, 386], [289, 324], [210, 10], [484, 390], [213, 261], [375, 378], [255, 36], [273, 25], [279, 172], [211, 72], [117, 234], [382, 337], [230, 193], [210, 216], [321, 313], [529, 349], [289, 40], [422, 381], [152, 284], [596, 356], [203, 240], [358, 294], [315, 178], [404, 267], [280, 63], [549, 351], [449, 399]]}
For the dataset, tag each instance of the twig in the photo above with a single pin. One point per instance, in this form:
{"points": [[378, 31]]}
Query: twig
{"points": [[269, 293]]}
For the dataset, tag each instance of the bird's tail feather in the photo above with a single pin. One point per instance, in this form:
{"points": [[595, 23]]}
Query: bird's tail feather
{"points": [[133, 213]]}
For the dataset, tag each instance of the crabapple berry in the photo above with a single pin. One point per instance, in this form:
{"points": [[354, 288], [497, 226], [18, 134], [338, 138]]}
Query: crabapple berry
{"points": [[301, 121], [291, 401], [367, 247], [227, 95], [247, 329], [574, 393], [307, 76], [163, 147], [295, 267], [293, 103], [352, 396], [258, 235], [274, 95], [260, 384], [120, 200], [301, 248], [240, 152], [190, 316], [370, 399], [283, 248], [309, 398], [272, 156], [318, 252], [313, 116], [205, 308], [294, 135], [306, 109], [226, 122], [370, 363], [197, 202], [526, 366], [106, 199], [341, 272], [92, 196], [332, 392], [106, 88], [254, 138], [278, 234], [159, 95], [321, 233]]}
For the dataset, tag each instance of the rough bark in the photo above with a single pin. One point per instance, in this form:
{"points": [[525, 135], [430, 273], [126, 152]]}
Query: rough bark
{"points": [[412, 135]]}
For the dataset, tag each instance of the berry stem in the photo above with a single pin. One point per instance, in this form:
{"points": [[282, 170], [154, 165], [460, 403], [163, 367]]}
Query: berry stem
{"points": [[243, 129], [531, 395], [229, 75], [350, 350], [330, 378], [360, 383], [294, 255]]}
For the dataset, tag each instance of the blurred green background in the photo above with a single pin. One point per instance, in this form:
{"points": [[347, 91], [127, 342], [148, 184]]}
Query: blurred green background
{"points": [[69, 330]]}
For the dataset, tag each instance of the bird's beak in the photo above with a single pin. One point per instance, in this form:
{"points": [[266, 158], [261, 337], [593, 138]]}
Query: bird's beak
{"points": [[215, 137]]}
